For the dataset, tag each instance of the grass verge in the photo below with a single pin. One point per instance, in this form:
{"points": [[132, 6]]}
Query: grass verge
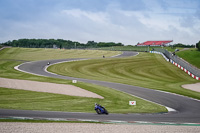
{"points": [[191, 55], [114, 101]]}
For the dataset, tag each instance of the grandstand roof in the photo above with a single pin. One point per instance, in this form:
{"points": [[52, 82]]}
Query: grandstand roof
{"points": [[154, 43]]}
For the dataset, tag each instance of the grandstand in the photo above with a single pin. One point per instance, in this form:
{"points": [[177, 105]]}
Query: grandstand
{"points": [[155, 43]]}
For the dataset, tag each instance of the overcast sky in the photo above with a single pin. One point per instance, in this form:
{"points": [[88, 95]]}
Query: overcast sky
{"points": [[125, 21]]}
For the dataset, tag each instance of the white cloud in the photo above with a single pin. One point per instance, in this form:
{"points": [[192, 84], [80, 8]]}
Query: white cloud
{"points": [[98, 17], [114, 23]]}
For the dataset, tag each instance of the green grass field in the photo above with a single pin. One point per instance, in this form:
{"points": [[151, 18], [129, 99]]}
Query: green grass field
{"points": [[125, 48], [114, 101], [145, 70], [172, 49], [138, 48], [191, 55], [31, 54]]}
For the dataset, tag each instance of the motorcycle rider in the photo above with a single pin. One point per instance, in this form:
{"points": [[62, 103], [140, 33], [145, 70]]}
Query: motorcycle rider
{"points": [[100, 109], [98, 105]]}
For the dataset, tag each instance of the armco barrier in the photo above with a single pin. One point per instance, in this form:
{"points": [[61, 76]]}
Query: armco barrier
{"points": [[180, 63], [185, 70]]}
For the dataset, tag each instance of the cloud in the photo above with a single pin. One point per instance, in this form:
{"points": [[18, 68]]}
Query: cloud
{"points": [[98, 17], [128, 21]]}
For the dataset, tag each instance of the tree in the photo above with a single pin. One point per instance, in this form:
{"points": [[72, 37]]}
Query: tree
{"points": [[183, 45], [198, 45], [91, 44]]}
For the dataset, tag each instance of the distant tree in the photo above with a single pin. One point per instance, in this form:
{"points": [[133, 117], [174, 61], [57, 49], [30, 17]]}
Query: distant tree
{"points": [[108, 44], [198, 45], [183, 45], [91, 44], [179, 45]]}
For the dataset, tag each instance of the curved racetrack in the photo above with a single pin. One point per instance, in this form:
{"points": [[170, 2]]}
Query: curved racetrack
{"points": [[187, 109]]}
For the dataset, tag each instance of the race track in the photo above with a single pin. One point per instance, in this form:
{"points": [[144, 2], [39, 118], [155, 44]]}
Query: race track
{"points": [[187, 109]]}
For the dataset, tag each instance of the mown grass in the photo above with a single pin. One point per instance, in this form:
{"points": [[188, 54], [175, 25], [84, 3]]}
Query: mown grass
{"points": [[126, 48], [138, 48], [172, 49], [114, 101], [31, 54], [145, 70], [191, 55]]}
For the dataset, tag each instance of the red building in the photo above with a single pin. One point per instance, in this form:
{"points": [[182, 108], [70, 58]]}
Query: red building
{"points": [[155, 43]]}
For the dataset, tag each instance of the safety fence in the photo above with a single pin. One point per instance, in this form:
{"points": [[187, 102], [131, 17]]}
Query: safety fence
{"points": [[179, 62]]}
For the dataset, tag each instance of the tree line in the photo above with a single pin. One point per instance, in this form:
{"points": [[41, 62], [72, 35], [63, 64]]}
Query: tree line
{"points": [[57, 43], [67, 44], [186, 46], [183, 45]]}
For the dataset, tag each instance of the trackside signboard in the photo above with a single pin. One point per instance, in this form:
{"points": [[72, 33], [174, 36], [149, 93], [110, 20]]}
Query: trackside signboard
{"points": [[132, 102], [74, 81]]}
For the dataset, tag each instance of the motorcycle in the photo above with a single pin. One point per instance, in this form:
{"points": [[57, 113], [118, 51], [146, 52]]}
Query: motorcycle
{"points": [[100, 109]]}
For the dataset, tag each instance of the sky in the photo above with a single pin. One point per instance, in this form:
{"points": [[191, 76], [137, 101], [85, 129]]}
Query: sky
{"points": [[124, 21]]}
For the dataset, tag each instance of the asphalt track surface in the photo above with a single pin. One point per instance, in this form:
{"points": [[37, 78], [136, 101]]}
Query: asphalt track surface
{"points": [[187, 109]]}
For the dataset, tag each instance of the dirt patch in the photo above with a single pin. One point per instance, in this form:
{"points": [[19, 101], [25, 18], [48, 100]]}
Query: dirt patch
{"points": [[194, 87], [47, 87]]}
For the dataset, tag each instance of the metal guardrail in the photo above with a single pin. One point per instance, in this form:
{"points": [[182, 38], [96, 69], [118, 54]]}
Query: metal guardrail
{"points": [[192, 69]]}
